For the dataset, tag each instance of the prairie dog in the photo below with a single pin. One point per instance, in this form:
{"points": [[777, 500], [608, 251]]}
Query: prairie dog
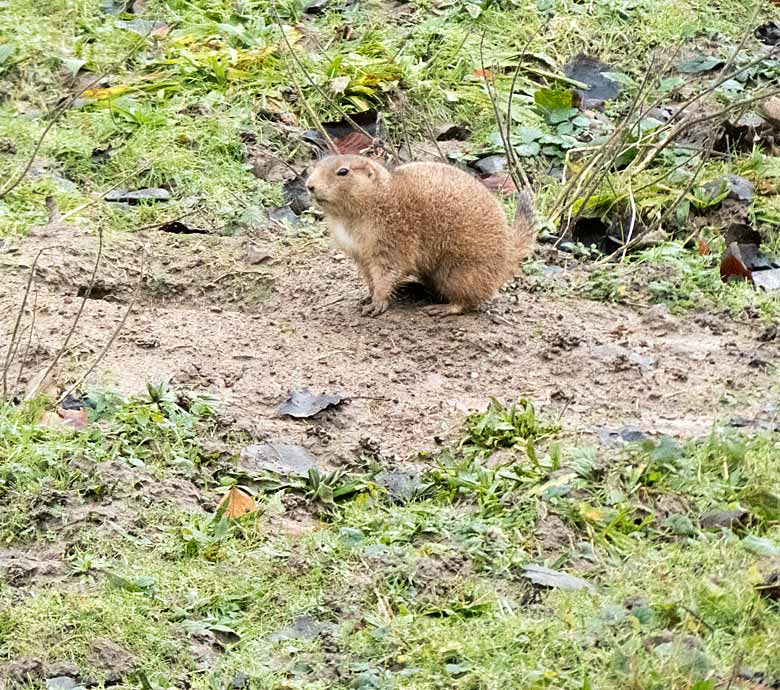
{"points": [[422, 222]]}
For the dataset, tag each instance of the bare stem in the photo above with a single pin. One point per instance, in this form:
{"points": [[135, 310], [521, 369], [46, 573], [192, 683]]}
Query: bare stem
{"points": [[34, 390], [64, 107], [114, 334]]}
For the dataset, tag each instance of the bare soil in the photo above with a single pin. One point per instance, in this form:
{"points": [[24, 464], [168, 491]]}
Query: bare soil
{"points": [[251, 319]]}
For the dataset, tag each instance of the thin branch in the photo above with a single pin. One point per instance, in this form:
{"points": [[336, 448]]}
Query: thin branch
{"points": [[115, 333], [631, 224], [60, 110], [25, 356], [490, 88], [34, 390], [318, 88], [19, 316]]}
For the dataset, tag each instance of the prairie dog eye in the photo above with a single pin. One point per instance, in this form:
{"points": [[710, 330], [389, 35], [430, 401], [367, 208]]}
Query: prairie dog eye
{"points": [[342, 171]]}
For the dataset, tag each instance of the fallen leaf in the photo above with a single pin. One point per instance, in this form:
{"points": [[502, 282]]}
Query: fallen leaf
{"points": [[352, 144], [161, 31], [554, 579], [77, 419], [700, 63], [304, 403], [142, 27], [237, 503], [346, 138], [106, 93], [703, 248], [732, 266], [176, 227], [339, 84]]}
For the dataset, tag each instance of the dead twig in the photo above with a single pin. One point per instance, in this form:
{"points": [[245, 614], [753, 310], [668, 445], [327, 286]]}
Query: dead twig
{"points": [[114, 334], [19, 316], [87, 293], [631, 223], [25, 356], [320, 90], [60, 110]]}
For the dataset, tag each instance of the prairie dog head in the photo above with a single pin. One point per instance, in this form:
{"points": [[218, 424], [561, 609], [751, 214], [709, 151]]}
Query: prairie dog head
{"points": [[346, 184]]}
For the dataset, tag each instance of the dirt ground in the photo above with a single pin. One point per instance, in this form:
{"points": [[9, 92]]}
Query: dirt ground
{"points": [[251, 319]]}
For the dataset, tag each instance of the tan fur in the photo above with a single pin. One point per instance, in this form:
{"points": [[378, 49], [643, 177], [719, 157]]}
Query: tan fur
{"points": [[426, 222]]}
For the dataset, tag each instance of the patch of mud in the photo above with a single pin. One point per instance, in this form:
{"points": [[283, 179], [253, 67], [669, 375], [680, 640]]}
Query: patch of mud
{"points": [[408, 379], [26, 568]]}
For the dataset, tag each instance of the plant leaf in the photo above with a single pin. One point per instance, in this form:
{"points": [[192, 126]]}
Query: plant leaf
{"points": [[237, 503]]}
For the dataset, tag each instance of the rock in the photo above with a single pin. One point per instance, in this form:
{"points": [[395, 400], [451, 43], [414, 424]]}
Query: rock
{"points": [[400, 486], [276, 458], [770, 109], [490, 165], [110, 658], [724, 519], [61, 683], [303, 628], [25, 670], [738, 188], [63, 668], [451, 130], [138, 195]]}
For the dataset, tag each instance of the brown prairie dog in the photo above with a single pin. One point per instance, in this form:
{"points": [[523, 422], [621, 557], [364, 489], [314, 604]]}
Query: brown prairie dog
{"points": [[422, 222]]}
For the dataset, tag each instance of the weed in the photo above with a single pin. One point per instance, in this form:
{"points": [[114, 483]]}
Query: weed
{"points": [[503, 426]]}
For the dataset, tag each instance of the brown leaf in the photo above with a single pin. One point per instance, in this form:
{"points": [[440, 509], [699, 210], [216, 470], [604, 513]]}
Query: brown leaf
{"points": [[77, 419], [732, 267], [483, 73], [500, 184], [237, 503], [65, 419], [352, 144], [703, 248]]}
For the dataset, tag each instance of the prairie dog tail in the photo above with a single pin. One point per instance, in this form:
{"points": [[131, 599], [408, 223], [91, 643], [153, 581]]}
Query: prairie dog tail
{"points": [[524, 226]]}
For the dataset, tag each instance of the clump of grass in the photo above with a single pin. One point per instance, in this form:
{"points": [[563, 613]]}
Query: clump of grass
{"points": [[505, 426], [682, 280], [423, 593]]}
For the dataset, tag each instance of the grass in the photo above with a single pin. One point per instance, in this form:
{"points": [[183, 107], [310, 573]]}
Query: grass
{"points": [[367, 590], [177, 107], [424, 593]]}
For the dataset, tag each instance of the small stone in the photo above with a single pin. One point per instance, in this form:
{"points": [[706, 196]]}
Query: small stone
{"points": [[61, 683], [26, 669]]}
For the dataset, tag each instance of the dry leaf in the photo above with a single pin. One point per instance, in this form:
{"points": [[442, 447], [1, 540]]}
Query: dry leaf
{"points": [[353, 143], [703, 248], [65, 419], [237, 503], [109, 92], [77, 419], [161, 31]]}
